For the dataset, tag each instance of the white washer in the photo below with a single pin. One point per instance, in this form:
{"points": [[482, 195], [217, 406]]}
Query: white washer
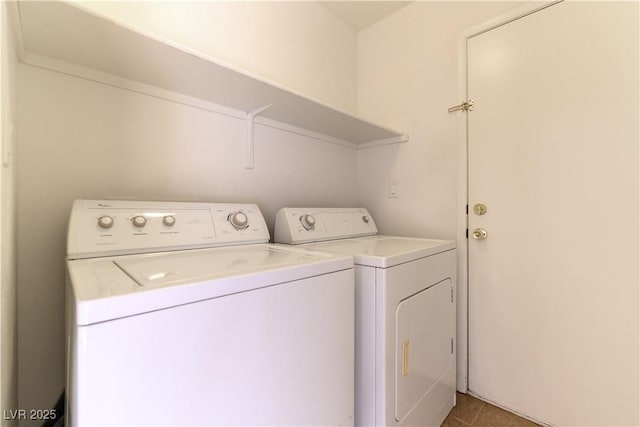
{"points": [[405, 313], [181, 314]]}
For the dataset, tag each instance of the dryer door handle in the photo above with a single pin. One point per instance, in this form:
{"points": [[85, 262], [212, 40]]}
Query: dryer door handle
{"points": [[405, 359]]}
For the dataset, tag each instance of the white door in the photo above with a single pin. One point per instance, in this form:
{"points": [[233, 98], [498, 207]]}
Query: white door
{"points": [[553, 154]]}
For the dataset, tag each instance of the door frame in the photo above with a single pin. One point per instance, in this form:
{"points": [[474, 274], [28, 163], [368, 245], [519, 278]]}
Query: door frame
{"points": [[462, 315]]}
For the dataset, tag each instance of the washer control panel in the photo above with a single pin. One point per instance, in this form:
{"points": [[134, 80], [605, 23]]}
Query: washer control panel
{"points": [[305, 225], [106, 227]]}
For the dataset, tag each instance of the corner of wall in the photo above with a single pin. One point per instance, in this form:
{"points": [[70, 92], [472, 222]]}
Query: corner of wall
{"points": [[8, 240]]}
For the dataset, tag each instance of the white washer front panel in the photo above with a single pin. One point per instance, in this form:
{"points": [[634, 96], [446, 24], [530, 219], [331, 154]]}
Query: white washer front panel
{"points": [[275, 356], [365, 345]]}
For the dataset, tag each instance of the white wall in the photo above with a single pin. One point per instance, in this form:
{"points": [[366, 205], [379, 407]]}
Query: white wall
{"points": [[8, 243], [407, 78], [296, 44], [81, 139]]}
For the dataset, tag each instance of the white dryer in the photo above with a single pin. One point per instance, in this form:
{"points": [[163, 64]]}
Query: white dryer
{"points": [[405, 313], [180, 314]]}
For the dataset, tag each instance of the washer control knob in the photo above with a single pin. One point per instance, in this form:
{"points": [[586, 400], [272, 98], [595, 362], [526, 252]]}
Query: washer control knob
{"points": [[365, 219], [169, 220], [139, 221], [238, 220], [308, 222], [105, 222]]}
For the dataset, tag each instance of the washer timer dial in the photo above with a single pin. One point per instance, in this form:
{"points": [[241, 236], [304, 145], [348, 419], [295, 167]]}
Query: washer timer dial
{"points": [[238, 220]]}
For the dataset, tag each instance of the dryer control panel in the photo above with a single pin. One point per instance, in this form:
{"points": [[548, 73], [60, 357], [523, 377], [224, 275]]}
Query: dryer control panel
{"points": [[306, 225], [107, 227]]}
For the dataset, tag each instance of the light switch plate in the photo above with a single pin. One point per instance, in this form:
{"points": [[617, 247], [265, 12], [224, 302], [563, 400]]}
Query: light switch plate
{"points": [[392, 191]]}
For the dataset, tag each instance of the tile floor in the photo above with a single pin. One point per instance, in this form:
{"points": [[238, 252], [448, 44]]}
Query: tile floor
{"points": [[470, 411]]}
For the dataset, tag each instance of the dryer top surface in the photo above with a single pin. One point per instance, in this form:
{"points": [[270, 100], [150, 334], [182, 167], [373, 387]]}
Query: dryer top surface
{"points": [[385, 251]]}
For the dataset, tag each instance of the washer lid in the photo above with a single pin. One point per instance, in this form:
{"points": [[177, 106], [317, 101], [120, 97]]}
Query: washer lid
{"points": [[385, 251], [110, 288], [188, 267]]}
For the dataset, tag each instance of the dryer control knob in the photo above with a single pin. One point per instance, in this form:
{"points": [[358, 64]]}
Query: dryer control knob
{"points": [[105, 222], [308, 222], [169, 220], [139, 221], [238, 220]]}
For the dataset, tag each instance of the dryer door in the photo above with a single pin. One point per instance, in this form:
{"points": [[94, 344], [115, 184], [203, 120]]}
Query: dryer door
{"points": [[424, 345]]}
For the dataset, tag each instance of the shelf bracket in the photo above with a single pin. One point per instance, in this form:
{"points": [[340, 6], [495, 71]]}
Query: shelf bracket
{"points": [[248, 136]]}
